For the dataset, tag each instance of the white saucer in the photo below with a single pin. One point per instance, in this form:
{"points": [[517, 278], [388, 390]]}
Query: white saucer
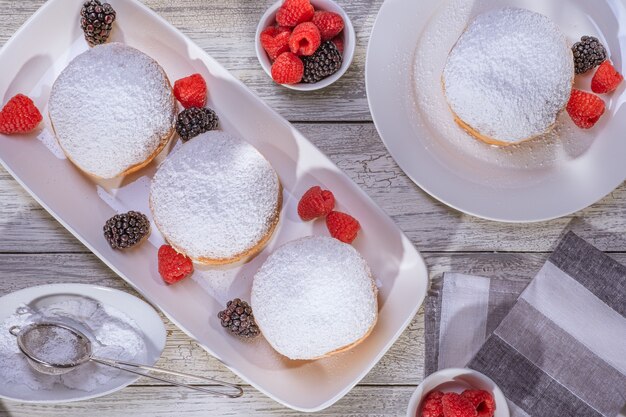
{"points": [[542, 179], [146, 318]]}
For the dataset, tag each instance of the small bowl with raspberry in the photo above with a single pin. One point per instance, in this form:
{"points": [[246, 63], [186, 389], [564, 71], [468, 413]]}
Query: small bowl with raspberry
{"points": [[305, 45], [456, 392]]}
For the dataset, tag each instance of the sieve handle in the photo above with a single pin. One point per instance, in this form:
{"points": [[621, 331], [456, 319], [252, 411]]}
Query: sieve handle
{"points": [[130, 367]]}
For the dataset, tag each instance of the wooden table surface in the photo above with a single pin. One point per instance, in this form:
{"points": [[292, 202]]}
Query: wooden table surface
{"points": [[35, 249]]}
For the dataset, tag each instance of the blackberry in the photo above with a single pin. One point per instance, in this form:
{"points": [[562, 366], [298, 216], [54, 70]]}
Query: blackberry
{"points": [[323, 63], [588, 54], [238, 318], [96, 19], [125, 230], [194, 120]]}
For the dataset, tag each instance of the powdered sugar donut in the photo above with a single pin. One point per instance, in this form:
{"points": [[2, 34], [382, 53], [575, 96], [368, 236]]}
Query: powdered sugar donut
{"points": [[509, 76], [112, 110], [216, 199], [314, 297]]}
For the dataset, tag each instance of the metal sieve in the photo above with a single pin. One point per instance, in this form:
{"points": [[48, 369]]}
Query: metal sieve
{"points": [[36, 341]]}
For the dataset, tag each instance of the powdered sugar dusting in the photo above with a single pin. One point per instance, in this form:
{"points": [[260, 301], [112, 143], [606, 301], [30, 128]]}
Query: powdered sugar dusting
{"points": [[216, 197], [113, 335], [313, 296], [510, 74], [111, 108], [47, 138]]}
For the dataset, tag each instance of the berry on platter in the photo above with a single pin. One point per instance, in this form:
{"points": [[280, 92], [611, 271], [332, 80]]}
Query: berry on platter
{"points": [[585, 109], [173, 266], [588, 54], [315, 203], [342, 226], [330, 24], [305, 39], [123, 231], [606, 79], [293, 12], [19, 115], [193, 121], [239, 319], [191, 91], [431, 405], [287, 69], [482, 401], [275, 40], [455, 405], [96, 20], [322, 64]]}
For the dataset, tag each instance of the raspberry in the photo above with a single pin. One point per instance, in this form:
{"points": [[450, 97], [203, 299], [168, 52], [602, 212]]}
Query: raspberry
{"points": [[305, 39], [431, 405], [342, 226], [606, 79], [293, 12], [287, 69], [481, 400], [173, 266], [454, 405], [191, 91], [19, 115], [315, 203], [338, 41], [329, 24], [275, 40], [585, 109]]}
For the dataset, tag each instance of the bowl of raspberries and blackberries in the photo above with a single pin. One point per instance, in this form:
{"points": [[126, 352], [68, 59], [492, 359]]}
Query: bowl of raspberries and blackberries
{"points": [[305, 44]]}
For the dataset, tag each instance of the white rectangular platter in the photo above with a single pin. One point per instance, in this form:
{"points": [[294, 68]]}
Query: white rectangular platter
{"points": [[33, 58]]}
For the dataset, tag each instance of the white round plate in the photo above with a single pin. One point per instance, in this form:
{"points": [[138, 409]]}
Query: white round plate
{"points": [[549, 177], [146, 318]]}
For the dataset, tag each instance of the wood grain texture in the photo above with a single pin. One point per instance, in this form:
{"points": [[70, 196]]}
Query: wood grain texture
{"points": [[356, 148], [35, 249], [226, 30], [142, 401], [403, 365]]}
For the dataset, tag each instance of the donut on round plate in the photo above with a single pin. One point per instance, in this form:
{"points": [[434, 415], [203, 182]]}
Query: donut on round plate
{"points": [[216, 199], [112, 110], [314, 297], [509, 76]]}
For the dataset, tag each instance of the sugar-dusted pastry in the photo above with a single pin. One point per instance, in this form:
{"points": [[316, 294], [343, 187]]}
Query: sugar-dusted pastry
{"points": [[112, 110]]}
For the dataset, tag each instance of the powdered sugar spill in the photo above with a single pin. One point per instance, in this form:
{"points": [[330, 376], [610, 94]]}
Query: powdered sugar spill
{"points": [[113, 335], [313, 296], [216, 197]]}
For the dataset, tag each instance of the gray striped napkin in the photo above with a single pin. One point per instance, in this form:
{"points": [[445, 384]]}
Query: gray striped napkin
{"points": [[556, 347]]}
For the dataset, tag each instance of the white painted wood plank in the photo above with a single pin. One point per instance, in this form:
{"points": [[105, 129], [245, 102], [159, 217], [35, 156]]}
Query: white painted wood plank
{"points": [[402, 365], [181, 353], [357, 149], [158, 402], [226, 30]]}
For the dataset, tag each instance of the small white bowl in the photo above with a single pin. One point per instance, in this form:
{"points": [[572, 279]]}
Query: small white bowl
{"points": [[349, 43], [457, 380]]}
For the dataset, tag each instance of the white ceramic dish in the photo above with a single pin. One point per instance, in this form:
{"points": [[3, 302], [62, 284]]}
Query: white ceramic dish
{"points": [[146, 318], [30, 66], [349, 43], [539, 180], [457, 380]]}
